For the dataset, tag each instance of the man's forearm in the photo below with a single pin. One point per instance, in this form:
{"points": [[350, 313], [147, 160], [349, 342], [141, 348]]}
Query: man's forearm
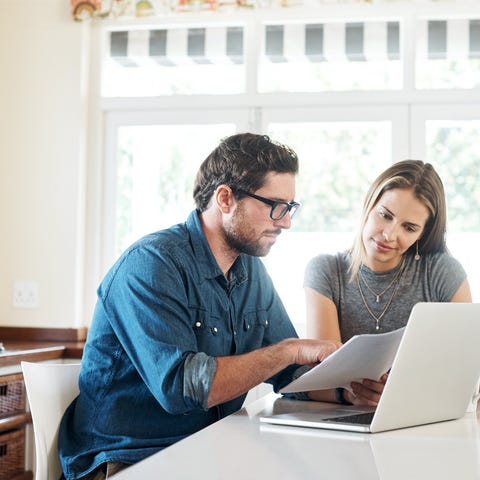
{"points": [[237, 374]]}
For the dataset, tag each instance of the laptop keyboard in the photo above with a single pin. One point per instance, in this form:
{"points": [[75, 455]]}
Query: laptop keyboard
{"points": [[359, 419]]}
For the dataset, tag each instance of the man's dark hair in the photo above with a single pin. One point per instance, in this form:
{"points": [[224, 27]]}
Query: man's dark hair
{"points": [[241, 161]]}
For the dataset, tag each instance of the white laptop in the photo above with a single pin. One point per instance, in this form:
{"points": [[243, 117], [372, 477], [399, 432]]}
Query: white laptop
{"points": [[432, 379]]}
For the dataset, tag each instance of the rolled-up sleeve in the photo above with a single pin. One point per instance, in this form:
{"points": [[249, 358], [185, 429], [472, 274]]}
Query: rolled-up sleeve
{"points": [[198, 371]]}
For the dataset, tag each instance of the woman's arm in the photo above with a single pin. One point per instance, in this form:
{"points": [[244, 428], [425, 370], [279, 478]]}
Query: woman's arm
{"points": [[322, 317], [322, 324], [463, 294]]}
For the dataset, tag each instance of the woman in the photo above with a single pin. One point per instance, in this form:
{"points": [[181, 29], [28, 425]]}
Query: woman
{"points": [[399, 258]]}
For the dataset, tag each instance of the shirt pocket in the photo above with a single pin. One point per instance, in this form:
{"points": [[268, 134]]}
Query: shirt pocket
{"points": [[255, 326], [211, 333]]}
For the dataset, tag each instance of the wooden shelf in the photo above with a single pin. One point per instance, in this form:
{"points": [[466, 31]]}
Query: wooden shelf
{"points": [[58, 335], [15, 421], [24, 476]]}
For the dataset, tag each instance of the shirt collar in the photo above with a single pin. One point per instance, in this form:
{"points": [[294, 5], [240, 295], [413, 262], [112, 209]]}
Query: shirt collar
{"points": [[201, 249]]}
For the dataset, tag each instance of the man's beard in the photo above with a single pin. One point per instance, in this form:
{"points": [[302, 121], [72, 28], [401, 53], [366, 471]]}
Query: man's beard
{"points": [[241, 244], [240, 238]]}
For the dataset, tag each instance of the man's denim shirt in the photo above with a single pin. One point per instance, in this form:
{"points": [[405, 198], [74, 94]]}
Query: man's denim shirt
{"points": [[164, 312]]}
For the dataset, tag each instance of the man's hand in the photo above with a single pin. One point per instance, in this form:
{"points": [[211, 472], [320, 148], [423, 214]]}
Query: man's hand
{"points": [[312, 352]]}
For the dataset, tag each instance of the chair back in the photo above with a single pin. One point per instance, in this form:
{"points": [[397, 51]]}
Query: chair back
{"points": [[50, 389]]}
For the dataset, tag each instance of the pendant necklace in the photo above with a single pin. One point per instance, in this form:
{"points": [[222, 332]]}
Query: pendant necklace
{"points": [[377, 296]]}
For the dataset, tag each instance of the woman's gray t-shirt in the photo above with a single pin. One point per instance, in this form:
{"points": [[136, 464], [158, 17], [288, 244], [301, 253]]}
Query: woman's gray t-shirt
{"points": [[433, 278]]}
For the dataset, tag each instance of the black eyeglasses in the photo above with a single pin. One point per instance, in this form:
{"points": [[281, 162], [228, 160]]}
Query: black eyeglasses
{"points": [[278, 210]]}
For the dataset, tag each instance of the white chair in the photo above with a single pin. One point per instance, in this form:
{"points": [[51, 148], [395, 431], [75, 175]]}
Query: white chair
{"points": [[50, 389]]}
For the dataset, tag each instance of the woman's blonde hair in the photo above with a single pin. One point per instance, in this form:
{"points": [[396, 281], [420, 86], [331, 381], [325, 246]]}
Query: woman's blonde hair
{"points": [[427, 187]]}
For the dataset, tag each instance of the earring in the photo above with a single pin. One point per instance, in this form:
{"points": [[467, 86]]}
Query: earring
{"points": [[417, 255]]}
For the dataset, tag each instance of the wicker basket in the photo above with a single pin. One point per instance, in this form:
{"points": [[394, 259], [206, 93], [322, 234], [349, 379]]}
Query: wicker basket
{"points": [[12, 454], [12, 395]]}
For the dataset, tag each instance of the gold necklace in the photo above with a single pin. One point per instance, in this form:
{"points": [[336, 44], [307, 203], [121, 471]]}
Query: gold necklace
{"points": [[378, 295], [375, 317]]}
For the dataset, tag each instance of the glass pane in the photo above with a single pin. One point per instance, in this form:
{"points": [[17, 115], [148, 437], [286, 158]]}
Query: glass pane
{"points": [[156, 166], [174, 61], [448, 53], [332, 56], [438, 74], [152, 80], [453, 148], [330, 76], [336, 164], [338, 161]]}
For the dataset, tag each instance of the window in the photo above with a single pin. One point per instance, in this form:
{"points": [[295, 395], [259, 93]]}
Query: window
{"points": [[155, 174], [331, 56], [174, 61], [153, 158], [330, 146], [350, 96]]}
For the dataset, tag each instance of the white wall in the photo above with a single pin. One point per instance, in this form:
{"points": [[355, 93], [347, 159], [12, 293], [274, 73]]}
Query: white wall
{"points": [[42, 160]]}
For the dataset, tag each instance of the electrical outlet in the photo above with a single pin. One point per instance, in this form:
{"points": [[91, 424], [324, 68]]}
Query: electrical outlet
{"points": [[25, 294]]}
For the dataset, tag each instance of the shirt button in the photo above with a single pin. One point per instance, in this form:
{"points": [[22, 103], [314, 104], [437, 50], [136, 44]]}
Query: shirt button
{"points": [[248, 327], [215, 330], [266, 323], [198, 324]]}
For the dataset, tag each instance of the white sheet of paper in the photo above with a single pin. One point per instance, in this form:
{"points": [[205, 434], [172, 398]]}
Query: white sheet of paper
{"points": [[363, 356]]}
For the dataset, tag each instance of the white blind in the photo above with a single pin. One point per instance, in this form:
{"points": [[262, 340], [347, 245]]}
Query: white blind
{"points": [[174, 46], [320, 42]]}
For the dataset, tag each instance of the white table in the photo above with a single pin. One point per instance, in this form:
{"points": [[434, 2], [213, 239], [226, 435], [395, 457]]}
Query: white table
{"points": [[240, 447]]}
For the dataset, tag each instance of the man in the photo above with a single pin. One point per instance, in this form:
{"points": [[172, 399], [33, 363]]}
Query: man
{"points": [[187, 320]]}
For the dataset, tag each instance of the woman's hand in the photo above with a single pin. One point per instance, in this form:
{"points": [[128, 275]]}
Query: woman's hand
{"points": [[367, 392]]}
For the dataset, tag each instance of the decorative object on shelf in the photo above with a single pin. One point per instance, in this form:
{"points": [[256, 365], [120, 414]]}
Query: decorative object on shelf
{"points": [[86, 9]]}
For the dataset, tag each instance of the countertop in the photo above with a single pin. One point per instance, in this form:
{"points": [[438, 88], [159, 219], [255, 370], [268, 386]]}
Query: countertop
{"points": [[240, 447]]}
